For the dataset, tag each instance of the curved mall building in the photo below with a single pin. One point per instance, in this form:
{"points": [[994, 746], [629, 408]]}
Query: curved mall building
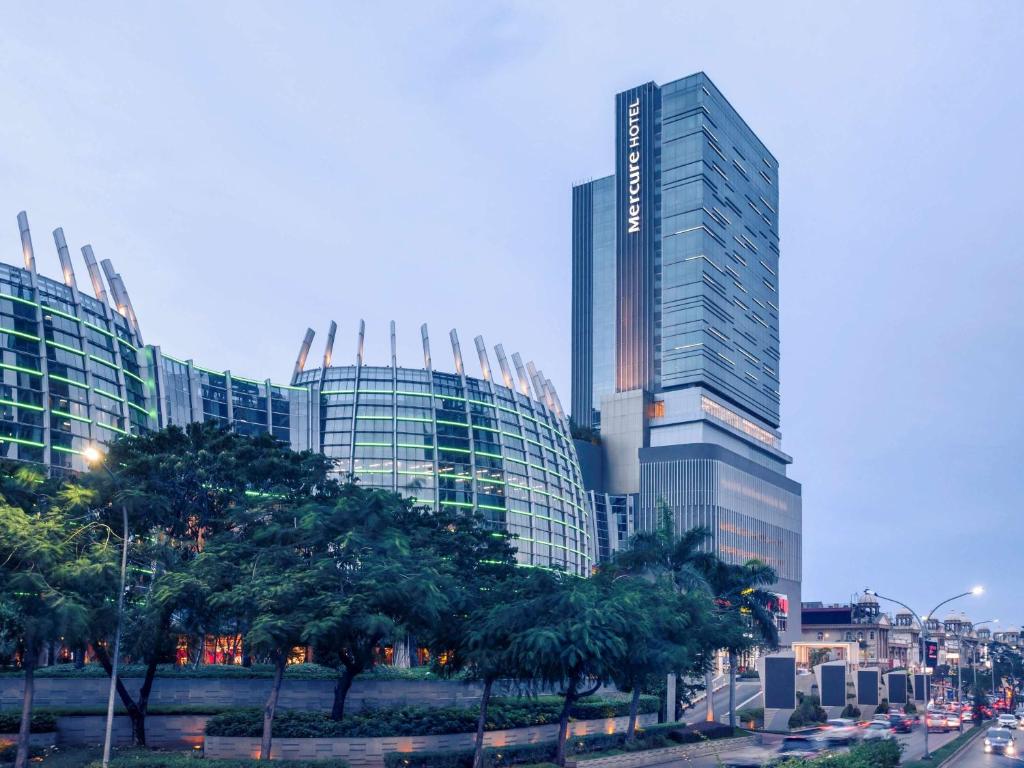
{"points": [[75, 371]]}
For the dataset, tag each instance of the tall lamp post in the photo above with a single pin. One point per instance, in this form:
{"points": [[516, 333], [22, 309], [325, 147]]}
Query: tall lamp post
{"points": [[94, 458], [924, 642]]}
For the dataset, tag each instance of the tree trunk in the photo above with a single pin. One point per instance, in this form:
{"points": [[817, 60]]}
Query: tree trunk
{"points": [[341, 689], [478, 748], [732, 689], [202, 650], [28, 662], [563, 721], [137, 715], [268, 711], [709, 699], [634, 705]]}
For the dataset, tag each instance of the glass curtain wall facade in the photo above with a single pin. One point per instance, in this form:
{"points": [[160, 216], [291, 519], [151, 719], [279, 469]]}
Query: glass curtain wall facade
{"points": [[74, 372], [695, 234], [685, 392]]}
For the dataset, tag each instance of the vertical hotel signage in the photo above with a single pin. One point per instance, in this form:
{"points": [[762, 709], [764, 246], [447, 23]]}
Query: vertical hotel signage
{"points": [[633, 158], [636, 114]]}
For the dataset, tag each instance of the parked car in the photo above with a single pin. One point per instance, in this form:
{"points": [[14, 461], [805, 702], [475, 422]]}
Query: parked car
{"points": [[1000, 740], [877, 729], [1006, 720]]}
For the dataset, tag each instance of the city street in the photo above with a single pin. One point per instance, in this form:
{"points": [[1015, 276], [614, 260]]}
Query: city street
{"points": [[974, 757], [748, 694]]}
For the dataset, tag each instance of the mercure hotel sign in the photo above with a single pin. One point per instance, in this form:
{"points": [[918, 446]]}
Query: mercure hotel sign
{"points": [[633, 144]]}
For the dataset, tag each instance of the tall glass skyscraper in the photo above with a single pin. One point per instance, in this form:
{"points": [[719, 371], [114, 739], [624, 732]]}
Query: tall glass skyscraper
{"points": [[675, 323]]}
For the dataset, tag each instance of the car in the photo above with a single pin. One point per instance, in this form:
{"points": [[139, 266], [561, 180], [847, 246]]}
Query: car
{"points": [[802, 746], [953, 720], [1006, 720], [1000, 740], [877, 729], [841, 730], [936, 722], [901, 723]]}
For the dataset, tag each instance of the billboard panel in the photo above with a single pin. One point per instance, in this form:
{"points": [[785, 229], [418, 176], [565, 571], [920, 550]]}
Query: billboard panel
{"points": [[833, 685], [920, 689], [780, 682], [897, 687], [867, 687]]}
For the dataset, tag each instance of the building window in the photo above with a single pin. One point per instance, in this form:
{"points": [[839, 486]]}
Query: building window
{"points": [[656, 410], [871, 635], [821, 635]]}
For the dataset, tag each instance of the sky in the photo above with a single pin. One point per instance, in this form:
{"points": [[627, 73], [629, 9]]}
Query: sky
{"points": [[254, 169]]}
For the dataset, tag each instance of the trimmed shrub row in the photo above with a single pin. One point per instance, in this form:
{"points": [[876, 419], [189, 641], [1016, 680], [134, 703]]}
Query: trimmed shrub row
{"points": [[230, 671], [653, 737], [42, 722], [419, 720], [295, 671], [153, 759]]}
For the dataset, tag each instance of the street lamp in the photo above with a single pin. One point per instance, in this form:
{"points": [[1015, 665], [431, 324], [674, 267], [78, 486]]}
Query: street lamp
{"points": [[95, 458], [924, 641]]}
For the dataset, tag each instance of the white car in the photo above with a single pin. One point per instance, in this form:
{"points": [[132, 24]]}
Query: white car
{"points": [[877, 730], [1006, 720]]}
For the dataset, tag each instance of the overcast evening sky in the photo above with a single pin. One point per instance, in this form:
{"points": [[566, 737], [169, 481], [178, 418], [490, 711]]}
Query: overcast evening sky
{"points": [[254, 169]]}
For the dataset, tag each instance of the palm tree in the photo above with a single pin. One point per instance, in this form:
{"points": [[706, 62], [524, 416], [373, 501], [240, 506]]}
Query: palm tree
{"points": [[747, 608]]}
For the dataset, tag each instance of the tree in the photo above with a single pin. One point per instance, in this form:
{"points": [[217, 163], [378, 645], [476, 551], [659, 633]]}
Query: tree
{"points": [[480, 580], [261, 573], [747, 610], [568, 631], [382, 586], [181, 487], [45, 556]]}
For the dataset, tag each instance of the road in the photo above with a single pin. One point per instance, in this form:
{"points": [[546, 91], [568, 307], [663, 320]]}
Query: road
{"points": [[974, 756], [913, 749], [748, 694]]}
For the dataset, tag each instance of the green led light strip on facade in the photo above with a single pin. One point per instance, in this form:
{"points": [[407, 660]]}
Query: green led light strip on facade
{"points": [[19, 334], [131, 375], [63, 449], [16, 404], [61, 312], [107, 394], [19, 300], [69, 415], [21, 441], [65, 380], [95, 327], [112, 428], [65, 347], [21, 369]]}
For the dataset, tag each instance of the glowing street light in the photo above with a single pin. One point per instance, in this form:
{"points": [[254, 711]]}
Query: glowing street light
{"points": [[95, 459]]}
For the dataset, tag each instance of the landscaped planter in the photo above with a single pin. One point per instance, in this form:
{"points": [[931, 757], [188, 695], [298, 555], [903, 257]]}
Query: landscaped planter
{"points": [[40, 740], [67, 693], [370, 752], [165, 731]]}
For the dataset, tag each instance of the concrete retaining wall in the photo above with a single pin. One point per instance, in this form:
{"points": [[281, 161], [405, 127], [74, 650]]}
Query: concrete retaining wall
{"points": [[165, 731], [40, 740], [295, 694], [369, 752]]}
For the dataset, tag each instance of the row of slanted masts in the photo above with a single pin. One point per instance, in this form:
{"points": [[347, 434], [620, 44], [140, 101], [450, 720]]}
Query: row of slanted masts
{"points": [[122, 303], [529, 381]]}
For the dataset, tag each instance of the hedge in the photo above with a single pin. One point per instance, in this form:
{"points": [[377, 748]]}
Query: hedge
{"points": [[881, 753], [153, 759], [230, 671], [42, 722], [420, 720], [654, 737], [294, 671]]}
